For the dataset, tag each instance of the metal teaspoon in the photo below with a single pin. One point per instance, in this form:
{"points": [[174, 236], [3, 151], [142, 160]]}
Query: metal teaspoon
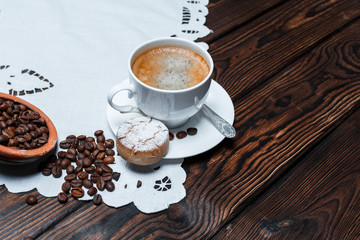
{"points": [[224, 127]]}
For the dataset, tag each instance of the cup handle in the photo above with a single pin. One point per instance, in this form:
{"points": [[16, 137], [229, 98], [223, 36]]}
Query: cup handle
{"points": [[122, 108]]}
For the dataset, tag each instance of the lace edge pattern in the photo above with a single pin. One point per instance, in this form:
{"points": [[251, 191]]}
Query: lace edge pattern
{"points": [[193, 19]]}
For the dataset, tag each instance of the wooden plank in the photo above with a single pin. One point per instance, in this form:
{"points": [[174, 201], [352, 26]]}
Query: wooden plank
{"points": [[276, 123], [18, 219], [233, 15], [252, 54], [318, 199]]}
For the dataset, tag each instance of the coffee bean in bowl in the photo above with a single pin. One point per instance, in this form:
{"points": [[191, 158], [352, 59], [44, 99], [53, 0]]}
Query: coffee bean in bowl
{"points": [[26, 133]]}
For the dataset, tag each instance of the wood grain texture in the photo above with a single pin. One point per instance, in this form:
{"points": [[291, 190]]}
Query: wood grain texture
{"points": [[252, 54], [18, 219], [318, 199], [276, 124], [227, 15]]}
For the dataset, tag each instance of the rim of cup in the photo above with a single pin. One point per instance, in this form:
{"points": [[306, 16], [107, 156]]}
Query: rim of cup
{"points": [[172, 42]]}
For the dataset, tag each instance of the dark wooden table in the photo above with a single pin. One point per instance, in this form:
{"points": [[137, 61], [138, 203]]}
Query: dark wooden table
{"points": [[292, 69]]}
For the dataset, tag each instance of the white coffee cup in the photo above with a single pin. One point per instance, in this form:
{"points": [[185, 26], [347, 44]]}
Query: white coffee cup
{"points": [[172, 107]]}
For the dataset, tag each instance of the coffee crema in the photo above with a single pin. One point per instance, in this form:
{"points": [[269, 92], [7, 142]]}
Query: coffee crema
{"points": [[170, 68]]}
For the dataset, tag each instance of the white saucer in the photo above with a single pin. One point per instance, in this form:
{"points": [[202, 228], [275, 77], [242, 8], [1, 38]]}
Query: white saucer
{"points": [[207, 135]]}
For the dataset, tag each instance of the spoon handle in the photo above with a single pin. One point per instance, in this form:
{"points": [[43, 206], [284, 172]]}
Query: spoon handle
{"points": [[221, 124]]}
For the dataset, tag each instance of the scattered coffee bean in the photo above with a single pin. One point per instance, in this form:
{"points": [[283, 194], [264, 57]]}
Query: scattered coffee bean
{"points": [[85, 160], [31, 200], [46, 171], [92, 191], [77, 192], [76, 183], [181, 134], [110, 152], [191, 131], [70, 177], [62, 197], [107, 177], [56, 171], [171, 136], [66, 186], [116, 176], [97, 199], [87, 183], [109, 143], [82, 175], [100, 184], [109, 159], [70, 169], [110, 186], [65, 163], [98, 132], [106, 168]]}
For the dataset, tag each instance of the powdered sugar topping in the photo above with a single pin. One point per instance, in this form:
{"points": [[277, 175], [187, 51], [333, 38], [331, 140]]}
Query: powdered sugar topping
{"points": [[142, 134]]}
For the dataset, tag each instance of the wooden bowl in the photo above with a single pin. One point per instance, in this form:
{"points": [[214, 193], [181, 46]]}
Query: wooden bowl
{"points": [[14, 156]]}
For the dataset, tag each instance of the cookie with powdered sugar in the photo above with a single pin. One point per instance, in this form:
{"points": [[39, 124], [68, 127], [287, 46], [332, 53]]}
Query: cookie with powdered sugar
{"points": [[142, 140]]}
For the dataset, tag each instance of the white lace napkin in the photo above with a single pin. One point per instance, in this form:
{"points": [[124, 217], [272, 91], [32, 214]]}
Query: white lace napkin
{"points": [[63, 56]]}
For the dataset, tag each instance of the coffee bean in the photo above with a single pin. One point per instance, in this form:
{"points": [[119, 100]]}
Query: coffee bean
{"points": [[191, 131], [87, 183], [56, 171], [110, 152], [90, 139], [98, 132], [77, 192], [92, 191], [13, 143], [171, 136], [101, 146], [99, 170], [109, 143], [58, 161], [109, 159], [95, 153], [89, 146], [72, 151], [70, 169], [107, 176], [65, 144], [181, 134], [106, 168], [116, 176], [101, 155], [82, 175], [4, 139], [71, 157], [76, 183], [70, 177], [95, 177], [80, 148], [61, 154], [46, 171], [98, 162], [100, 184], [81, 156], [65, 187], [110, 186], [100, 139], [86, 162], [31, 200], [78, 169], [90, 169], [62, 197], [97, 199], [65, 163]]}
